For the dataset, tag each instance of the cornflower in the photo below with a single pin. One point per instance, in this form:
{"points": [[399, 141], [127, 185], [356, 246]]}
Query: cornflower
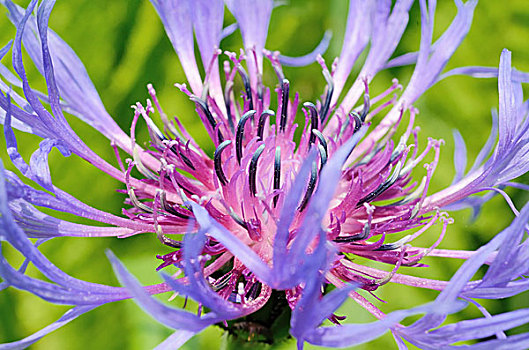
{"points": [[270, 220]]}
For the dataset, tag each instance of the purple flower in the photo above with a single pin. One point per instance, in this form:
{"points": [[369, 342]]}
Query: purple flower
{"points": [[270, 220]]}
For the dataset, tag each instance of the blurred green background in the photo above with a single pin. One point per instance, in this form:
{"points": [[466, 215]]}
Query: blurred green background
{"points": [[124, 47]]}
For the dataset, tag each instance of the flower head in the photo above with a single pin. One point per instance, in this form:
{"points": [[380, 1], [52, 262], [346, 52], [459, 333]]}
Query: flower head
{"points": [[294, 194]]}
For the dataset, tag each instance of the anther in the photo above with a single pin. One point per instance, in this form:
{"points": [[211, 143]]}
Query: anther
{"points": [[330, 89], [240, 134], [285, 89], [383, 187], [321, 138], [262, 120], [218, 162], [168, 208], [252, 170], [323, 155], [310, 187], [227, 100], [277, 173], [358, 121], [177, 151], [394, 245], [247, 86], [365, 111], [169, 242], [238, 219], [204, 107], [313, 120], [137, 203], [355, 238], [221, 282]]}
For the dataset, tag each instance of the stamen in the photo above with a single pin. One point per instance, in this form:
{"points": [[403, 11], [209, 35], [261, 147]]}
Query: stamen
{"points": [[142, 168], [137, 203], [252, 170], [310, 187], [221, 282], [383, 187], [277, 173], [313, 120], [204, 107], [240, 134], [394, 245], [247, 86], [227, 100], [358, 121], [178, 152], [285, 89], [168, 126], [365, 110], [321, 138], [354, 238], [262, 120], [238, 219], [323, 156], [330, 90], [168, 241], [168, 208], [218, 162]]}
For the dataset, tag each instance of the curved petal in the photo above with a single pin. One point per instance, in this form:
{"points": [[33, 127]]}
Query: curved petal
{"points": [[253, 18]]}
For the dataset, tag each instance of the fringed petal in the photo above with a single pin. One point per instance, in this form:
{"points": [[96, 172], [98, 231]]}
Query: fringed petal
{"points": [[357, 33], [431, 61], [70, 75], [388, 25], [509, 159], [253, 18], [208, 17]]}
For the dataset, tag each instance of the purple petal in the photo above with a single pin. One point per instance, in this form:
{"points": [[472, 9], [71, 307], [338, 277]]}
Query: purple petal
{"points": [[11, 233], [460, 156], [470, 267], [36, 224], [309, 58], [431, 61], [72, 80], [69, 316], [170, 317], [484, 72], [253, 18], [507, 109], [518, 341], [286, 217], [177, 19], [479, 328], [208, 17], [319, 204], [175, 340], [357, 32], [245, 254], [352, 334], [387, 31], [198, 288]]}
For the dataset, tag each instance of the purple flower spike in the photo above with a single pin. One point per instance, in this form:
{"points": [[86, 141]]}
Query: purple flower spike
{"points": [[270, 231]]}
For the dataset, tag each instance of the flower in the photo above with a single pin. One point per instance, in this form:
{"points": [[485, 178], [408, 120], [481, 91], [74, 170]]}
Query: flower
{"points": [[269, 220]]}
